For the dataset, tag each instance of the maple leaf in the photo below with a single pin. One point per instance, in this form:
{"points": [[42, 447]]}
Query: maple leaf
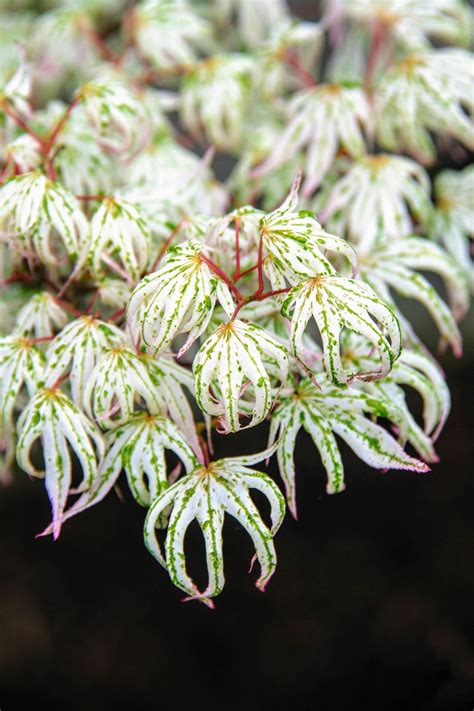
{"points": [[233, 355], [206, 495], [336, 303], [52, 417], [342, 411]]}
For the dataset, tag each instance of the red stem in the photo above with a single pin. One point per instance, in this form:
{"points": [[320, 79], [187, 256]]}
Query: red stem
{"points": [[91, 197], [23, 124], [267, 294], [13, 278], [292, 60], [378, 36], [260, 267], [217, 270], [68, 307], [205, 451], [165, 246], [116, 314], [93, 301], [50, 169], [60, 380], [41, 339], [60, 125], [100, 44], [247, 271]]}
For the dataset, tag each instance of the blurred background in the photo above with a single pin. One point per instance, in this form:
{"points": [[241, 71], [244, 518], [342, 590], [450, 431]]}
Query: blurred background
{"points": [[371, 606]]}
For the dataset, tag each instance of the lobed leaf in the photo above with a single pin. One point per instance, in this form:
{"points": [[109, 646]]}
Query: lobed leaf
{"points": [[336, 303], [178, 298], [206, 495], [232, 357], [342, 411], [52, 417]]}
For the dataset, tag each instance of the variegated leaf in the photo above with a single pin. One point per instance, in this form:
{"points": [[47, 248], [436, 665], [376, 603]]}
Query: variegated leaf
{"points": [[234, 357], [169, 34], [21, 365], [342, 411], [120, 233], [397, 265], [336, 303], [76, 349], [32, 207], [116, 114], [170, 380], [206, 495], [322, 118], [40, 317], [209, 84], [52, 417], [178, 298], [381, 197], [138, 447], [122, 380], [426, 92], [416, 370], [295, 244]]}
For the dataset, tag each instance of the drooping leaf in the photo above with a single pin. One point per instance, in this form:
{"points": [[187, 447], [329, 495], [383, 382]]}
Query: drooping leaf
{"points": [[178, 298], [40, 317], [76, 349], [206, 495], [32, 208], [295, 244], [323, 118], [336, 303], [122, 380], [398, 265], [414, 369], [342, 411], [233, 356], [120, 233], [52, 417], [138, 447], [21, 365]]}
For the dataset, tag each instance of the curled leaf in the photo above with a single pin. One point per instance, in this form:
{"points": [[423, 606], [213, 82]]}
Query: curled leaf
{"points": [[341, 411], [234, 356], [336, 303], [178, 298], [206, 495], [52, 417], [76, 349]]}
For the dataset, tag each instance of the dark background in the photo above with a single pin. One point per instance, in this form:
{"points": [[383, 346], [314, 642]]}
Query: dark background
{"points": [[371, 606]]}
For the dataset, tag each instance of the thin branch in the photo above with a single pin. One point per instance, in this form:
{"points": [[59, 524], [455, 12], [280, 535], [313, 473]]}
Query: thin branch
{"points": [[267, 294], [60, 125], [100, 44], [23, 124], [217, 270], [165, 246], [117, 314], [379, 32], [92, 197], [60, 380], [41, 339], [247, 271], [68, 307], [303, 75]]}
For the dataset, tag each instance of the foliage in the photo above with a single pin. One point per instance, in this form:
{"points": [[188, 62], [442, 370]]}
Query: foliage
{"points": [[149, 305]]}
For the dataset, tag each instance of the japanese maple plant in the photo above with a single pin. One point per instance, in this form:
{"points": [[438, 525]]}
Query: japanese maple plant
{"points": [[150, 308]]}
